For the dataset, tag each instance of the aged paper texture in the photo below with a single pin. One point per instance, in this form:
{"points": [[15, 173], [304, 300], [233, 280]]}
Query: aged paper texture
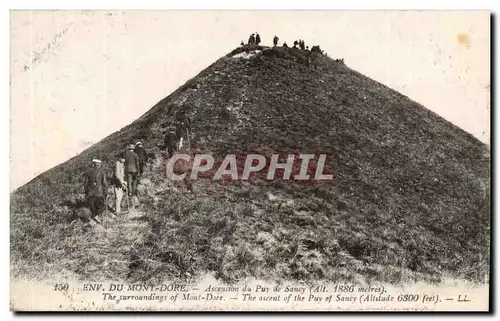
{"points": [[250, 160]]}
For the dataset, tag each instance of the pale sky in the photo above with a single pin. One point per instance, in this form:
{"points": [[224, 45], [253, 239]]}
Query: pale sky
{"points": [[78, 76]]}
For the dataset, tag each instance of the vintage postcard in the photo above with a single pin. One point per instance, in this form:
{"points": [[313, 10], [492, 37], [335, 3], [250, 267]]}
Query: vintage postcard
{"points": [[250, 160]]}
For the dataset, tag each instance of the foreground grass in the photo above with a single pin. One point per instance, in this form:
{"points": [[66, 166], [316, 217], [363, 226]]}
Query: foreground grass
{"points": [[289, 239]]}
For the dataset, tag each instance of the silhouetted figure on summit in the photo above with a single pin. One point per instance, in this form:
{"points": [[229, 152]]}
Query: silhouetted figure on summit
{"points": [[275, 40], [302, 44], [257, 39], [316, 49], [251, 40], [295, 44], [242, 43], [285, 45]]}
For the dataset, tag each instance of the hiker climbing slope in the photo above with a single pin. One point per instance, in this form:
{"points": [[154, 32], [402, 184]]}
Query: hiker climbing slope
{"points": [[131, 169], [95, 187], [143, 157], [182, 128], [119, 183], [170, 142]]}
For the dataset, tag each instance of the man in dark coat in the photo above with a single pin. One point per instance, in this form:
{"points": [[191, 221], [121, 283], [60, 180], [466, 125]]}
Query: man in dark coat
{"points": [[143, 157], [302, 44], [183, 119], [251, 40], [257, 39], [170, 142], [275, 40], [182, 128], [95, 187], [131, 169]]}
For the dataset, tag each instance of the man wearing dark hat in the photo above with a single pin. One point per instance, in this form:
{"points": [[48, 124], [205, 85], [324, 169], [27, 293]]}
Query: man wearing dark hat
{"points": [[143, 157], [96, 189], [131, 169]]}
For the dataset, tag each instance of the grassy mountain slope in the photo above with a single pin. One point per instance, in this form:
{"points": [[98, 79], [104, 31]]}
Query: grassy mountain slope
{"points": [[409, 199]]}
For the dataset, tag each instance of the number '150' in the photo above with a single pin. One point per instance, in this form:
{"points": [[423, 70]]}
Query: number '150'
{"points": [[61, 287]]}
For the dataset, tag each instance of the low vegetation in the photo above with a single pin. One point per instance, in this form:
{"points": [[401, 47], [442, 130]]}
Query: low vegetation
{"points": [[410, 198]]}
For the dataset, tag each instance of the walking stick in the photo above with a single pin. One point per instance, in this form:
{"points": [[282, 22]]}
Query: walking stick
{"points": [[188, 141], [106, 203], [128, 201]]}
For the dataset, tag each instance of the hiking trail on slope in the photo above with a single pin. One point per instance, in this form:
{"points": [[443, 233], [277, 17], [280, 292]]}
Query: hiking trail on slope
{"points": [[111, 242]]}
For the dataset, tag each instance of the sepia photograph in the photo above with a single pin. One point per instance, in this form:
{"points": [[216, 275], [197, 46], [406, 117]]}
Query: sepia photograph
{"points": [[285, 160]]}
